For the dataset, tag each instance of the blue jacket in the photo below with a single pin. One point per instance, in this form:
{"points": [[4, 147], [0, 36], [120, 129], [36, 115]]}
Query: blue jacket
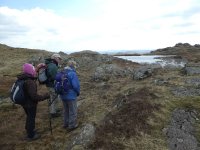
{"points": [[74, 91]]}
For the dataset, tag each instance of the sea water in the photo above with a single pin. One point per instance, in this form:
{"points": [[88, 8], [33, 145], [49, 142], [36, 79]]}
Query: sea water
{"points": [[143, 59], [154, 59]]}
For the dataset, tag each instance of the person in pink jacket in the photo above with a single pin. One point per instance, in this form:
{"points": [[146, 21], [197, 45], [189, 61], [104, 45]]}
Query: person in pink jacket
{"points": [[32, 99]]}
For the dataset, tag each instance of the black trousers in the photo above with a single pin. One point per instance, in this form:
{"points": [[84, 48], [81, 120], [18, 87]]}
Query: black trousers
{"points": [[30, 120]]}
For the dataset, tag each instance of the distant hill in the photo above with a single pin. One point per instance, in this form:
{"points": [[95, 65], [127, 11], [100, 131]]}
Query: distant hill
{"points": [[185, 50], [125, 52], [12, 58]]}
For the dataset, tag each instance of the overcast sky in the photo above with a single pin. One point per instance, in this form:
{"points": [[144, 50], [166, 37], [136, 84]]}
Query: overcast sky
{"points": [[99, 25]]}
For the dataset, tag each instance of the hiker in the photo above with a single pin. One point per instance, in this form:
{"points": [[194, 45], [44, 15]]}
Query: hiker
{"points": [[69, 99], [32, 99], [52, 68]]}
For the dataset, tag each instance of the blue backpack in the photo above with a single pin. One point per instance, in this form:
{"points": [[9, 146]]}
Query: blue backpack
{"points": [[17, 92], [62, 83]]}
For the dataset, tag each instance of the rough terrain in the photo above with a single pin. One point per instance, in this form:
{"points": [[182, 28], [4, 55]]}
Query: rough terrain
{"points": [[122, 105]]}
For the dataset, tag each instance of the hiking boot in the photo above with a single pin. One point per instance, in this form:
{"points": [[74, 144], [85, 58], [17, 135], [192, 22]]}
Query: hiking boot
{"points": [[65, 126], [35, 137], [73, 128], [55, 115], [59, 111]]}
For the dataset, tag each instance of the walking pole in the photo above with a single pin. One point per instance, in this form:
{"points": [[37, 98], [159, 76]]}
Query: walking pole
{"points": [[49, 104]]}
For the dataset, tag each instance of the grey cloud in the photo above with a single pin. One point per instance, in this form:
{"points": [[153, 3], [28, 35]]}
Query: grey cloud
{"points": [[9, 27], [6, 20], [3, 36], [12, 31]]}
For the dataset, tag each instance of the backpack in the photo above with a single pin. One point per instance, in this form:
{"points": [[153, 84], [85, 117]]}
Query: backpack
{"points": [[42, 73], [17, 92], [62, 83]]}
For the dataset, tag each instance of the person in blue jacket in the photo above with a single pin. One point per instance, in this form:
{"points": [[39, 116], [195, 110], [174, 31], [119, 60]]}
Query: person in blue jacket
{"points": [[69, 99]]}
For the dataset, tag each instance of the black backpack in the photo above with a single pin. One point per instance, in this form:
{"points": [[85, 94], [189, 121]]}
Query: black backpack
{"points": [[17, 92]]}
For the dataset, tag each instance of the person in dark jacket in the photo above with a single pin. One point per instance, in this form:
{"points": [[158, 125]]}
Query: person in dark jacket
{"points": [[69, 99], [32, 99], [52, 69]]}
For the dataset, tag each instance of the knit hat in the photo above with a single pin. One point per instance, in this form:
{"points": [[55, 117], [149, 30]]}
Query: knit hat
{"points": [[54, 56], [29, 69], [72, 63]]}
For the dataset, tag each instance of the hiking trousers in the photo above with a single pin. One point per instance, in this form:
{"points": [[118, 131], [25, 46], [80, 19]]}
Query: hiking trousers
{"points": [[30, 120], [54, 101], [70, 113]]}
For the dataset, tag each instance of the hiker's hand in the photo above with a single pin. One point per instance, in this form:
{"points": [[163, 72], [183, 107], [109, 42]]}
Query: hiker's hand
{"points": [[46, 96]]}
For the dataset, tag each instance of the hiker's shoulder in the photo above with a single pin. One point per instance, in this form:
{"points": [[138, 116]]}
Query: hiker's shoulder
{"points": [[50, 61], [52, 66], [24, 76], [29, 82]]}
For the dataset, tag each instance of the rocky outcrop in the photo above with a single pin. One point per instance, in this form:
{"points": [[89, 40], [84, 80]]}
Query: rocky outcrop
{"points": [[161, 81], [185, 50], [183, 45], [85, 136], [100, 75], [185, 91], [106, 71], [194, 81], [192, 69], [142, 72], [180, 132], [90, 59], [173, 62]]}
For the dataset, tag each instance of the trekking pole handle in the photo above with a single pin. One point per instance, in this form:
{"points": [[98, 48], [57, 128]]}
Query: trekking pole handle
{"points": [[50, 102]]}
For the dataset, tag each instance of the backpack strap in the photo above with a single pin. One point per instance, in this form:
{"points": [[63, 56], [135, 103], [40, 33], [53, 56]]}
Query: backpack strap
{"points": [[68, 77]]}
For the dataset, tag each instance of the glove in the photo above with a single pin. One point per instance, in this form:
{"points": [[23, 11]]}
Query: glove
{"points": [[46, 96]]}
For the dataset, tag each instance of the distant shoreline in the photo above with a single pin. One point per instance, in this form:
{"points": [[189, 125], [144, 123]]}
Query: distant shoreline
{"points": [[126, 55], [125, 52]]}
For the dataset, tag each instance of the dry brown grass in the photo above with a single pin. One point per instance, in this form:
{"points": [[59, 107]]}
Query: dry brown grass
{"points": [[13, 58], [135, 125], [127, 122]]}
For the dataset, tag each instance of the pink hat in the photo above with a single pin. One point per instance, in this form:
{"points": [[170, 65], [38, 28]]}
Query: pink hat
{"points": [[29, 69]]}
